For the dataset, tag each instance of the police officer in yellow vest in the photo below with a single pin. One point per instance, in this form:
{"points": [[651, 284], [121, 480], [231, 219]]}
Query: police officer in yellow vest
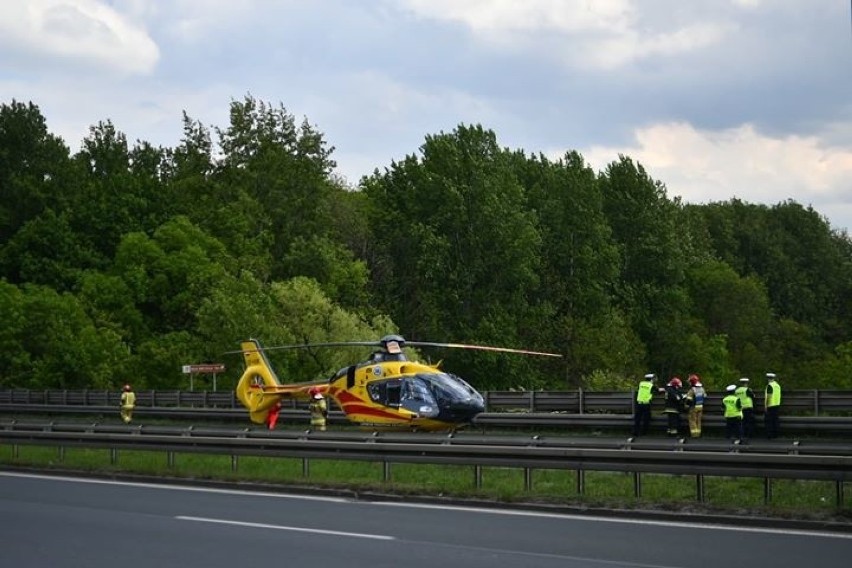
{"points": [[128, 403], [733, 415], [642, 409], [772, 402], [318, 409]]}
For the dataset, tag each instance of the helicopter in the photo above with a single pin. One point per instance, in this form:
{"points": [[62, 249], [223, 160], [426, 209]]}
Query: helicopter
{"points": [[385, 391]]}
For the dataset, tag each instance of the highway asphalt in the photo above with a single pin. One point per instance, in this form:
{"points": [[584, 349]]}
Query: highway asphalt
{"points": [[95, 523]]}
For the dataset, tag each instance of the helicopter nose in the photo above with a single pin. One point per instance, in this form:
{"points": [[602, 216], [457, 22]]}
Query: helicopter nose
{"points": [[468, 409]]}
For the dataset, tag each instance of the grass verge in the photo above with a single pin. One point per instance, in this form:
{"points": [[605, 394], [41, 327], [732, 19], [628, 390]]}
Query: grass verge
{"points": [[792, 499]]}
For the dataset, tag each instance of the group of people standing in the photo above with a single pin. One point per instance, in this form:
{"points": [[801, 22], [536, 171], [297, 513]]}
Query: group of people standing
{"points": [[738, 406]]}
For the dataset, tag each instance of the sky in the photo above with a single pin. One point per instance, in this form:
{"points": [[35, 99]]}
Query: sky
{"points": [[717, 99]]}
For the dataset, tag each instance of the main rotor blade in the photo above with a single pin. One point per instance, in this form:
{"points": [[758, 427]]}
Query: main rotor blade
{"points": [[331, 344], [482, 348], [309, 345]]}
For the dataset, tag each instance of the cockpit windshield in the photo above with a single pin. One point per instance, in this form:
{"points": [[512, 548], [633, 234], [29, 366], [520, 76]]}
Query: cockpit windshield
{"points": [[449, 388]]}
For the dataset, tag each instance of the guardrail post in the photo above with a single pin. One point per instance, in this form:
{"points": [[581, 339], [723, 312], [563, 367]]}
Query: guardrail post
{"points": [[637, 484], [839, 493], [61, 454], [16, 451], [170, 460], [767, 491], [532, 401], [582, 401], [581, 482], [113, 456], [477, 476], [306, 467], [816, 402], [386, 471], [235, 463], [487, 401], [527, 479], [699, 488]]}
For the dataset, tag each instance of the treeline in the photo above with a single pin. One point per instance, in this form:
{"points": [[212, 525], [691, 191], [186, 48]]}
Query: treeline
{"points": [[123, 262]]}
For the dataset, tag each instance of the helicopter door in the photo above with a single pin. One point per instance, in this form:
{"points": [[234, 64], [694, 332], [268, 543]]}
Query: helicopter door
{"points": [[393, 393]]}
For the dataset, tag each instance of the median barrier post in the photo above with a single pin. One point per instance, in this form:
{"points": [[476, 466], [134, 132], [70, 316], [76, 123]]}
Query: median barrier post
{"points": [[699, 488]]}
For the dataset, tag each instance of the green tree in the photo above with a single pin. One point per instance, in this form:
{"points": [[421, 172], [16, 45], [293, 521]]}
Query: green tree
{"points": [[457, 251], [285, 167], [35, 167], [653, 258], [64, 348]]}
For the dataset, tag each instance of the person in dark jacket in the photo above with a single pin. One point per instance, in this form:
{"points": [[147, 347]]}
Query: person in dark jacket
{"points": [[673, 406], [746, 396]]}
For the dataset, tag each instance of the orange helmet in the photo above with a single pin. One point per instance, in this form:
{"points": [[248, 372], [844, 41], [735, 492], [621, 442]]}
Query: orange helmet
{"points": [[694, 379], [126, 387], [675, 382]]}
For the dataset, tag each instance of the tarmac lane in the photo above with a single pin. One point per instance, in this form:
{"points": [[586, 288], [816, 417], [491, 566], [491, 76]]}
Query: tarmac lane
{"points": [[93, 523]]}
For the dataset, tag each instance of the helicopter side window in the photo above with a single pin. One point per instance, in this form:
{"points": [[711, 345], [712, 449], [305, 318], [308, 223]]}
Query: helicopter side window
{"points": [[416, 389], [378, 391]]}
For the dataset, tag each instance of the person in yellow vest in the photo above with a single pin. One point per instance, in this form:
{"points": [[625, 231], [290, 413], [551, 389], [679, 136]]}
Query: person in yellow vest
{"points": [[733, 410], [128, 403], [695, 402], [642, 411], [772, 402], [747, 399], [319, 410]]}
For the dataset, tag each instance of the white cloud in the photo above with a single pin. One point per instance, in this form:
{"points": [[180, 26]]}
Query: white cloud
{"points": [[703, 166], [603, 34], [83, 30], [530, 16]]}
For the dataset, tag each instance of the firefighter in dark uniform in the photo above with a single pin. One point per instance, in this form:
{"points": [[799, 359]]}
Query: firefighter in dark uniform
{"points": [[674, 406]]}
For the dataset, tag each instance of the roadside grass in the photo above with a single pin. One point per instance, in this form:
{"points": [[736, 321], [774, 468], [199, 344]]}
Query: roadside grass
{"points": [[789, 498]]}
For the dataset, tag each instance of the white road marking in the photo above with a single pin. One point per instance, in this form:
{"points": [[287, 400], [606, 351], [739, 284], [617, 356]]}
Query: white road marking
{"points": [[659, 523], [283, 528], [176, 487], [591, 518]]}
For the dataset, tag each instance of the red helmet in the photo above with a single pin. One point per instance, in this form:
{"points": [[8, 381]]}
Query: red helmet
{"points": [[675, 382], [694, 379], [315, 392]]}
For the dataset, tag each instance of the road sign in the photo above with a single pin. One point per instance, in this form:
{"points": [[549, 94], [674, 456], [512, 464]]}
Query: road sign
{"points": [[205, 368]]}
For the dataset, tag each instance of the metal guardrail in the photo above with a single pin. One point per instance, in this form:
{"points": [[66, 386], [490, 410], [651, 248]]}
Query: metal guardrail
{"points": [[812, 402], [790, 425], [528, 453]]}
